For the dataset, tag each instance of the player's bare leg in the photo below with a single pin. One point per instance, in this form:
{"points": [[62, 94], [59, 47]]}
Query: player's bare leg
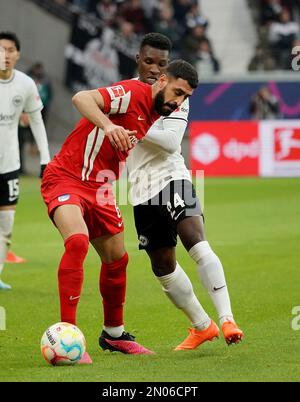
{"points": [[69, 221], [71, 225], [113, 289], [7, 214], [211, 273]]}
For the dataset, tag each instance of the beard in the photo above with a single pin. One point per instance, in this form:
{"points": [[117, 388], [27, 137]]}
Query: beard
{"points": [[162, 108]]}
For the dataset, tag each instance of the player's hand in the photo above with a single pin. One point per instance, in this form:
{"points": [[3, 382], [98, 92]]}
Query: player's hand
{"points": [[24, 120], [43, 167], [119, 137]]}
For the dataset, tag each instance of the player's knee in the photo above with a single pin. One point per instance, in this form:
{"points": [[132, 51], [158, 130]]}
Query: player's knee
{"points": [[163, 266], [191, 231], [163, 261], [77, 246], [6, 226], [162, 270], [113, 255]]}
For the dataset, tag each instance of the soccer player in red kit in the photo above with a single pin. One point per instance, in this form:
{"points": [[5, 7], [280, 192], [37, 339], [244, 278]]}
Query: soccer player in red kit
{"points": [[76, 188]]}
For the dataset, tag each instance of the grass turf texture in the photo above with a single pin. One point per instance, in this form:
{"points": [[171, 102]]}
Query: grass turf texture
{"points": [[254, 227]]}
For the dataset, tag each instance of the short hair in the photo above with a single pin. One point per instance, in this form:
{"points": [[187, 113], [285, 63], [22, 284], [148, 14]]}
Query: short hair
{"points": [[156, 40], [183, 69], [13, 37]]}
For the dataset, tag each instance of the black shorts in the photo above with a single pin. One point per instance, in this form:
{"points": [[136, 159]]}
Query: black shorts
{"points": [[156, 220], [9, 188]]}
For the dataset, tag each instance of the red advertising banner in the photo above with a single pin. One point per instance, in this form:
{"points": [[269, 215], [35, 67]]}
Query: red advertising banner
{"points": [[225, 148]]}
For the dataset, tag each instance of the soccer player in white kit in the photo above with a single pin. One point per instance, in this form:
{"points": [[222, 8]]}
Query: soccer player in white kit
{"points": [[18, 93], [166, 205]]}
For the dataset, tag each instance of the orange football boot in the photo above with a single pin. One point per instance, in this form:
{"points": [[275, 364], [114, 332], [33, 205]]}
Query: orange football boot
{"points": [[197, 337], [12, 258], [232, 333]]}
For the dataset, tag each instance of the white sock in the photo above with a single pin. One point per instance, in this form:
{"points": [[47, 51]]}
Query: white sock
{"points": [[6, 226], [115, 332], [211, 273], [178, 287]]}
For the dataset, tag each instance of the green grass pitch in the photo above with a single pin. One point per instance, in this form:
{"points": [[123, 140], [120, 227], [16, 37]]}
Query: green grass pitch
{"points": [[254, 227]]}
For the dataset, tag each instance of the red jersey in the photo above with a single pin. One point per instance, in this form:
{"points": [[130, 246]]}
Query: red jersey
{"points": [[87, 151]]}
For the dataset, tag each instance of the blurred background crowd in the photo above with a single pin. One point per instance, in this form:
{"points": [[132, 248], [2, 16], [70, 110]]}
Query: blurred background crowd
{"points": [[180, 20], [242, 50], [277, 23]]}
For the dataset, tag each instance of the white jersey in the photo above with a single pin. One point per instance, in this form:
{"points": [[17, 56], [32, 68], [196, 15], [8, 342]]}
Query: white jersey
{"points": [[156, 161], [17, 94]]}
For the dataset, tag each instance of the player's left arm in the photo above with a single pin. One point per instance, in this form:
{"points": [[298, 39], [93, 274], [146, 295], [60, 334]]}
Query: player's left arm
{"points": [[169, 138], [33, 106], [39, 133]]}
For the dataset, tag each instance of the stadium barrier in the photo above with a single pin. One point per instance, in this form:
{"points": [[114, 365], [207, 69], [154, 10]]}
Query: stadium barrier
{"points": [[247, 148]]}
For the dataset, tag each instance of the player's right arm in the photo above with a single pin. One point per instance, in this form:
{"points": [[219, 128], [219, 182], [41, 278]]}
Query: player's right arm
{"points": [[91, 105]]}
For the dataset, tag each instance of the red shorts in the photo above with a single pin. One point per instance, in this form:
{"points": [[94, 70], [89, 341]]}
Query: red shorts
{"points": [[97, 202]]}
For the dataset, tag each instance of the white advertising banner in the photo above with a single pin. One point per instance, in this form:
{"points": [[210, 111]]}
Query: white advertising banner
{"points": [[280, 148]]}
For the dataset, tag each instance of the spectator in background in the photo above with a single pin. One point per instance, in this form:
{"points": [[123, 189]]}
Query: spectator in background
{"points": [[38, 74], [206, 63], [192, 41], [194, 17], [106, 10], [149, 7], [24, 137], [282, 34], [270, 11], [42, 81], [132, 11], [166, 24], [127, 45], [181, 9], [83, 5], [264, 105], [261, 60]]}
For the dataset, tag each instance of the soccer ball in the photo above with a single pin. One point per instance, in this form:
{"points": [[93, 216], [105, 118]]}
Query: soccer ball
{"points": [[63, 344]]}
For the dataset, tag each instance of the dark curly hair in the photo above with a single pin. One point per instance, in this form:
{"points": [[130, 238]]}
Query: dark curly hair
{"points": [[11, 36], [156, 40]]}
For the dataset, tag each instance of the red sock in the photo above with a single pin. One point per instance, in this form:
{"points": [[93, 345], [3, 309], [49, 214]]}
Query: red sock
{"points": [[70, 275], [113, 289]]}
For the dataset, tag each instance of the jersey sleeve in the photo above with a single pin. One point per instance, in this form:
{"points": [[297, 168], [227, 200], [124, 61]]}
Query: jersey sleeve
{"points": [[182, 113], [33, 101], [116, 99]]}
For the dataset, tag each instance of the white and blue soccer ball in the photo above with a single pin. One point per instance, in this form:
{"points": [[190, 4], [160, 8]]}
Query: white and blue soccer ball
{"points": [[63, 344]]}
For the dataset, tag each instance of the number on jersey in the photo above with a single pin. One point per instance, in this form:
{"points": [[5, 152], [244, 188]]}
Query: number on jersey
{"points": [[177, 207], [13, 188]]}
